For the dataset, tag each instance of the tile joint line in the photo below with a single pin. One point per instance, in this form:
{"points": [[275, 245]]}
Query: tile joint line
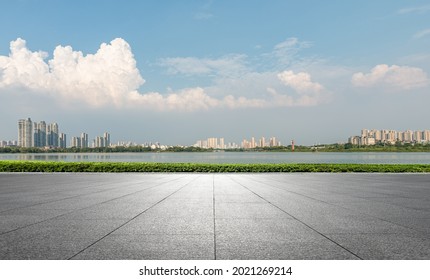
{"points": [[349, 251], [155, 204], [214, 213]]}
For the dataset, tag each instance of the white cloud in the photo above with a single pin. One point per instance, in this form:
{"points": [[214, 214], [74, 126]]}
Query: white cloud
{"points": [[422, 33], [23, 67], [304, 100], [231, 76], [301, 82], [399, 77], [286, 51], [110, 77], [194, 99], [191, 99], [420, 10], [306, 92], [101, 78], [229, 65]]}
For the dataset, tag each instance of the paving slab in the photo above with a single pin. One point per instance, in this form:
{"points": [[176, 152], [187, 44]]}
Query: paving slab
{"points": [[154, 247], [214, 216], [386, 246]]}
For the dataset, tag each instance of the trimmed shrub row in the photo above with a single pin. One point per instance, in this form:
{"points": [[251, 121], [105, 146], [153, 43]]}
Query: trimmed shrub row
{"points": [[48, 166]]}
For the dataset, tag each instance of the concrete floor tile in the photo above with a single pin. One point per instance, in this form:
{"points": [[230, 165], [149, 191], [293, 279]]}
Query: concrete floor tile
{"points": [[208, 216], [161, 225], [261, 210], [385, 246], [152, 247]]}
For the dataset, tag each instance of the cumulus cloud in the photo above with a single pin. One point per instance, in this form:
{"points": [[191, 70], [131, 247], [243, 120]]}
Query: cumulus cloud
{"points": [[193, 99], [190, 99], [400, 77], [305, 91], [301, 81], [107, 76], [110, 77], [23, 66]]}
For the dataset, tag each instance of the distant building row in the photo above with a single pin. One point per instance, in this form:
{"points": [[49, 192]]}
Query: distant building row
{"points": [[8, 143], [252, 144], [39, 134], [218, 143], [213, 143], [47, 135], [374, 136], [99, 141]]}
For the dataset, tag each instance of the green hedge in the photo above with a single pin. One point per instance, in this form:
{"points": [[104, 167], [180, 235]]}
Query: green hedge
{"points": [[47, 166]]}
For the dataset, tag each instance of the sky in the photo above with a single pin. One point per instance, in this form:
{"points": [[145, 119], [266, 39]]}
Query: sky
{"points": [[179, 71]]}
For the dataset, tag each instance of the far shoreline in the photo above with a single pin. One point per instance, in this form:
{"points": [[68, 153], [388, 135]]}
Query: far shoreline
{"points": [[333, 148]]}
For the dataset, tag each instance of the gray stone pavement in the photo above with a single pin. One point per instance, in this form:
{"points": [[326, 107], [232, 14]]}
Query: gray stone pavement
{"points": [[214, 216]]}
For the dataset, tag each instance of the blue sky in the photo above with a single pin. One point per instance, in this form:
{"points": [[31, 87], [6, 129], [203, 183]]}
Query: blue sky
{"points": [[178, 71]]}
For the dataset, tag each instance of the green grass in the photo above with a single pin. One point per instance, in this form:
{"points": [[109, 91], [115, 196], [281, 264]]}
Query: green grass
{"points": [[47, 166]]}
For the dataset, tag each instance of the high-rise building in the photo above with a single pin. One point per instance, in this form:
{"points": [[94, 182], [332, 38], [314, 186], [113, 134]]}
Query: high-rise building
{"points": [[417, 136], [400, 136], [75, 142], [25, 133], [253, 144], [377, 135], [426, 135], [392, 136], [262, 142], [52, 134], [199, 144], [384, 135], [8, 143], [354, 140], [273, 142], [62, 140], [221, 143], [212, 143], [245, 144], [99, 142], [106, 137], [84, 140], [408, 136], [39, 135], [102, 141]]}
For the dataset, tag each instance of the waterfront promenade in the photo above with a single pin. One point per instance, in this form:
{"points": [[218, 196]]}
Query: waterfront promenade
{"points": [[214, 216]]}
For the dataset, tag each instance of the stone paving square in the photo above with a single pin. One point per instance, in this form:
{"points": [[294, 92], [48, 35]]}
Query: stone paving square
{"points": [[179, 216]]}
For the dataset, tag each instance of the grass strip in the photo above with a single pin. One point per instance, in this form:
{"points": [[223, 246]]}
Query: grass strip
{"points": [[54, 166]]}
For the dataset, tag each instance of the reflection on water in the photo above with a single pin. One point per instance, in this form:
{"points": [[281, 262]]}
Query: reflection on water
{"points": [[230, 157]]}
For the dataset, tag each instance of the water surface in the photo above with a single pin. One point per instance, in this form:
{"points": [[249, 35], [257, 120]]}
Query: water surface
{"points": [[230, 157]]}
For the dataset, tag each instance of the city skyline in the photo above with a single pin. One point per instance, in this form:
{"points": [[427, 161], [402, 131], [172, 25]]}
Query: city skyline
{"points": [[390, 136], [39, 134], [220, 143], [42, 135], [175, 72]]}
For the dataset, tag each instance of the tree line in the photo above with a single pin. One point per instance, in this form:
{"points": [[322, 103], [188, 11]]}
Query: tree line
{"points": [[379, 147]]}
